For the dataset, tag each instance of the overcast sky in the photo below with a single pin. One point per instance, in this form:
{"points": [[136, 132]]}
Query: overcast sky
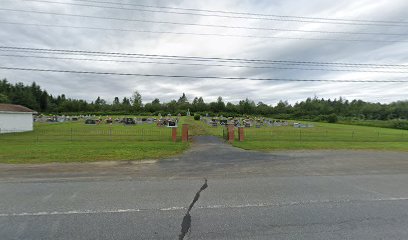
{"points": [[393, 49]]}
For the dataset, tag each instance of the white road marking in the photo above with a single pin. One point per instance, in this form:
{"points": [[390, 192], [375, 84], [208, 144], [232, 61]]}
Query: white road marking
{"points": [[131, 210]]}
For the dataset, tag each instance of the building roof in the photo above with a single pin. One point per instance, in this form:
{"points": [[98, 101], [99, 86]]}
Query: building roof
{"points": [[14, 108]]}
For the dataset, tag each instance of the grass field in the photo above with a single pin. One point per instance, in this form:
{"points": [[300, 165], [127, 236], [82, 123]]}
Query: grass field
{"points": [[77, 142], [396, 124], [321, 136], [199, 128], [324, 136]]}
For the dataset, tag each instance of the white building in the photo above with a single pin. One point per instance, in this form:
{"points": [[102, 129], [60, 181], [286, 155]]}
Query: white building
{"points": [[15, 118]]}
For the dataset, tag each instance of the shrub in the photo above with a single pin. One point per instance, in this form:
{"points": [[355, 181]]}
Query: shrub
{"points": [[332, 118], [400, 124], [197, 116]]}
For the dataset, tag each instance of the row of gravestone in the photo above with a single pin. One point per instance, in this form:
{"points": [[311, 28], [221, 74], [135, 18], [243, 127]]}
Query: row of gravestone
{"points": [[125, 120], [249, 122]]}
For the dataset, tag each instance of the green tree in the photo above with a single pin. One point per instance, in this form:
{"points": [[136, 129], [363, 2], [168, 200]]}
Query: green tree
{"points": [[100, 101], [282, 107], [136, 100], [220, 104], [116, 101], [262, 108], [182, 99], [247, 106], [332, 118], [182, 103], [156, 106], [200, 105], [44, 101], [156, 101], [126, 101], [172, 106], [230, 107], [4, 98]]}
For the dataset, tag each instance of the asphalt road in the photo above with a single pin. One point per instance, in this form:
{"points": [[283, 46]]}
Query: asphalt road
{"points": [[250, 195]]}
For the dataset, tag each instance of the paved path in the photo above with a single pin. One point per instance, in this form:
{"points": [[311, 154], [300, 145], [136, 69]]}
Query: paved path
{"points": [[250, 195]]}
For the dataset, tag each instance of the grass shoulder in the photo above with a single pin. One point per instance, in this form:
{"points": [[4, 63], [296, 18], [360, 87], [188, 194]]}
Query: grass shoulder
{"points": [[78, 142], [64, 152], [325, 136], [290, 145]]}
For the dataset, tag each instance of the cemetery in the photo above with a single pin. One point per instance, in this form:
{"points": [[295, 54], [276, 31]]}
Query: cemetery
{"points": [[92, 138], [90, 121], [248, 122], [260, 133]]}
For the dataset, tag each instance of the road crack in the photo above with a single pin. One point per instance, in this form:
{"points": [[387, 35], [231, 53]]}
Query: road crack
{"points": [[186, 223]]}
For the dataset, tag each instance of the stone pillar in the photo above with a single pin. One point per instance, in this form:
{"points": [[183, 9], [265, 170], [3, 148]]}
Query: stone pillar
{"points": [[231, 133], [174, 134], [184, 133], [241, 134]]}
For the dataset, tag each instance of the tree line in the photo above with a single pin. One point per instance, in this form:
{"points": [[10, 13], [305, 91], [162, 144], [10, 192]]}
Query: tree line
{"points": [[34, 97]]}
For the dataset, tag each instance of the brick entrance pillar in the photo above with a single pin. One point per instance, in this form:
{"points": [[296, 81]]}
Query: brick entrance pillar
{"points": [[230, 133], [241, 136], [174, 134], [184, 133]]}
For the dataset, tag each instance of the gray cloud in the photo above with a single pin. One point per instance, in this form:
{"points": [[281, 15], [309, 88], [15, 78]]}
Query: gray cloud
{"points": [[90, 86]]}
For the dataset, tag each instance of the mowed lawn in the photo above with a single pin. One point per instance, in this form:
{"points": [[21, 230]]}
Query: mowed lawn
{"points": [[324, 136], [78, 142], [200, 128]]}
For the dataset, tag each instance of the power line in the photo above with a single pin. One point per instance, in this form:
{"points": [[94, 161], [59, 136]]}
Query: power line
{"points": [[199, 64], [201, 34], [224, 16], [201, 77], [240, 13], [196, 58], [197, 24], [167, 57]]}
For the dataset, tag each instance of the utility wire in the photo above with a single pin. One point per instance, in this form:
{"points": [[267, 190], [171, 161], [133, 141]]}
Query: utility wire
{"points": [[202, 34], [201, 77], [223, 16], [198, 64], [195, 58], [200, 60], [196, 24], [239, 13], [183, 60]]}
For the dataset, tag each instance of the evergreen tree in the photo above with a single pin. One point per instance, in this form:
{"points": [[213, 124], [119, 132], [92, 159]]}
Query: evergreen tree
{"points": [[34, 97], [44, 101], [116, 101], [220, 104], [182, 99], [126, 101]]}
